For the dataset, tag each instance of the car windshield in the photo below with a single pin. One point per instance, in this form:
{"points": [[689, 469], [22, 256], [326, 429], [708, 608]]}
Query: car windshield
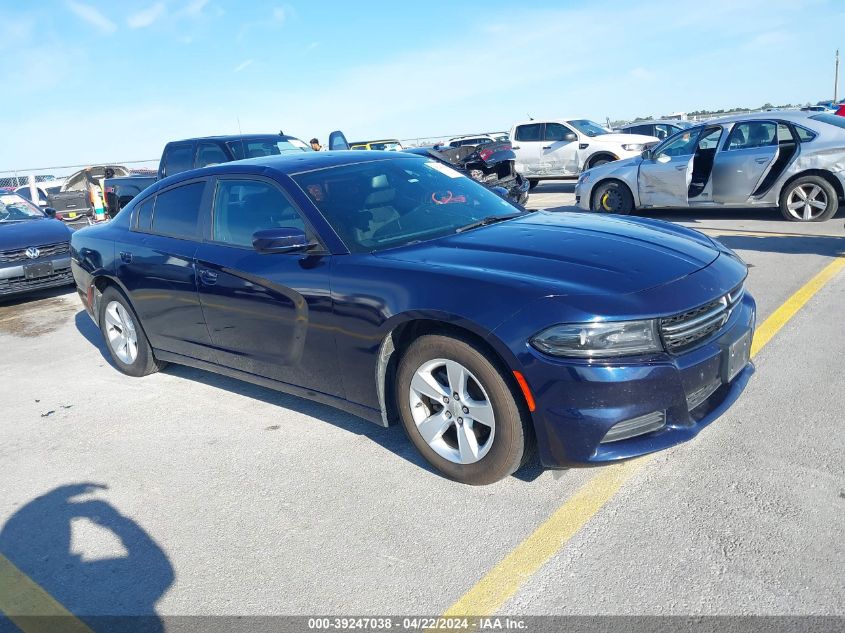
{"points": [[831, 119], [587, 127], [383, 204], [13, 208], [386, 145], [270, 146]]}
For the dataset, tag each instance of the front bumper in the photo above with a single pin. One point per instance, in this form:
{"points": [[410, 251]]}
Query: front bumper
{"points": [[578, 402], [14, 279]]}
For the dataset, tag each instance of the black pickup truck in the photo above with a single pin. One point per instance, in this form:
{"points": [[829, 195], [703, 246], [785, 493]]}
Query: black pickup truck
{"points": [[192, 153]]}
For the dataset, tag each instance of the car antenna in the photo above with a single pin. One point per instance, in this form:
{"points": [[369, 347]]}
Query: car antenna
{"points": [[241, 134], [530, 118]]}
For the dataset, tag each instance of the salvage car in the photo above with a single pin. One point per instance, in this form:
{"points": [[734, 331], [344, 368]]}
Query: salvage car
{"points": [[482, 329], [34, 247], [789, 159], [491, 164], [559, 148]]}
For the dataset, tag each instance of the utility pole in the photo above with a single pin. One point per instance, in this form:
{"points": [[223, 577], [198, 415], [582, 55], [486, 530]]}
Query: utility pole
{"points": [[836, 79]]}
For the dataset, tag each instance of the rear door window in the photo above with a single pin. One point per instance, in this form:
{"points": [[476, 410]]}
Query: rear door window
{"points": [[177, 211], [210, 154], [529, 132], [177, 158]]}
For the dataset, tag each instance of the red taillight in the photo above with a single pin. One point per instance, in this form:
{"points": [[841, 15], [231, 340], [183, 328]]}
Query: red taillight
{"points": [[485, 154]]}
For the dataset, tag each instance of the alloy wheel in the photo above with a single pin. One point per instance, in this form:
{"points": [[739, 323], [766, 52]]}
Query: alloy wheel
{"points": [[806, 202], [452, 411], [121, 332]]}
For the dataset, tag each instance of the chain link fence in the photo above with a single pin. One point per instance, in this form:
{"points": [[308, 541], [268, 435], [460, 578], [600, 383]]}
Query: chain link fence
{"points": [[44, 176]]}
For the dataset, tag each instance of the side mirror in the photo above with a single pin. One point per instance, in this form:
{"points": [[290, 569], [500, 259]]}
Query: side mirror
{"points": [[570, 136], [646, 155], [49, 211], [281, 240]]}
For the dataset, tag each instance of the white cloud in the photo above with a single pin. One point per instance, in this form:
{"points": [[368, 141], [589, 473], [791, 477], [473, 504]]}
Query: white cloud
{"points": [[194, 8], [92, 16], [280, 14], [244, 64], [147, 16]]}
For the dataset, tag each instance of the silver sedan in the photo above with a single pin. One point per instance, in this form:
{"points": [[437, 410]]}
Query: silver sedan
{"points": [[788, 159]]}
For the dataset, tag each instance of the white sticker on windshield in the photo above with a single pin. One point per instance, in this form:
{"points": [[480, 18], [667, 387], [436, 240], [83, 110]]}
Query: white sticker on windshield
{"points": [[446, 171]]}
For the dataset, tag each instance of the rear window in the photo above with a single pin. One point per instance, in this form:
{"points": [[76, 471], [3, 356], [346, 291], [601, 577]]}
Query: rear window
{"points": [[178, 158], [177, 211], [830, 119], [270, 146]]}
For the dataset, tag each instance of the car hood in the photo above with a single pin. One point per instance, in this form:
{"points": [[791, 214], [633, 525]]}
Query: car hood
{"points": [[568, 253], [14, 235], [626, 139]]}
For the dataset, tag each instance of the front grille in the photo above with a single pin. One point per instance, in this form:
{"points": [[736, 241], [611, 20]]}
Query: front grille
{"points": [[48, 250], [21, 284], [683, 331]]}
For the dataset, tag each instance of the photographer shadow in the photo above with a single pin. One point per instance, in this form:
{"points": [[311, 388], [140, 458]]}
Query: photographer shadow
{"points": [[108, 592]]}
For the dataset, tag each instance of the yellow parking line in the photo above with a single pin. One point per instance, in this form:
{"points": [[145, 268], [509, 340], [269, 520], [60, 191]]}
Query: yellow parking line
{"points": [[785, 312], [498, 585], [31, 608]]}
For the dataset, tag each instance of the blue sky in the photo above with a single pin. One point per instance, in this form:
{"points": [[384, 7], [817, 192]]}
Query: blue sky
{"points": [[90, 81]]}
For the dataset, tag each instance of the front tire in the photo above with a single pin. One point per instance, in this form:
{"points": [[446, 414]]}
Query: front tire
{"points": [[596, 162], [809, 199], [459, 412], [612, 197], [124, 337]]}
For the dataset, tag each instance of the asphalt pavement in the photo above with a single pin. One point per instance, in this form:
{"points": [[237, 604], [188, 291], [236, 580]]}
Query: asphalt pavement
{"points": [[187, 493]]}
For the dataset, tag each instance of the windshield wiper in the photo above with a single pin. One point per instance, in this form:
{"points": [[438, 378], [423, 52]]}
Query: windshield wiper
{"points": [[491, 219]]}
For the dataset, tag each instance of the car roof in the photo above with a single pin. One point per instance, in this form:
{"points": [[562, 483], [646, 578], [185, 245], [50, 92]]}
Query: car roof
{"points": [[235, 137], [292, 163], [784, 115], [655, 121]]}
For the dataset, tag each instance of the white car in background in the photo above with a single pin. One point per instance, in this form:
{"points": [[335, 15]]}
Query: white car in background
{"points": [[559, 148]]}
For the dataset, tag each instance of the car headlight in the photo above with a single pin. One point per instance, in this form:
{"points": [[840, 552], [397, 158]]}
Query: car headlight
{"points": [[599, 340], [633, 147]]}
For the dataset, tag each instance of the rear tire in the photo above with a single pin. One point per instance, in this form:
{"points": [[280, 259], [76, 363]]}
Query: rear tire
{"points": [[808, 199], [533, 182], [612, 197], [484, 419], [124, 336]]}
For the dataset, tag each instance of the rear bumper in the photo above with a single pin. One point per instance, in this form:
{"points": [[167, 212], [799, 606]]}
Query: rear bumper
{"points": [[577, 403], [14, 281]]}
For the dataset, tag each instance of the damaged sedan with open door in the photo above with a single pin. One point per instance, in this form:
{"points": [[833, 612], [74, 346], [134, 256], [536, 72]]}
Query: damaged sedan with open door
{"points": [[492, 164], [791, 160]]}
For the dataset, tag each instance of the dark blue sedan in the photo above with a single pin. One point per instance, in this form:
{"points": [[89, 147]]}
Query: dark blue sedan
{"points": [[395, 288]]}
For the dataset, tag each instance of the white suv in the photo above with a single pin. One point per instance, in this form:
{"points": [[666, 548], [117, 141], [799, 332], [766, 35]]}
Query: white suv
{"points": [[557, 148]]}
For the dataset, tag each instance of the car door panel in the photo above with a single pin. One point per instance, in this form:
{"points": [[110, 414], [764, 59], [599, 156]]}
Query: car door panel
{"points": [[664, 183], [159, 274], [743, 161], [528, 146], [270, 314], [558, 156]]}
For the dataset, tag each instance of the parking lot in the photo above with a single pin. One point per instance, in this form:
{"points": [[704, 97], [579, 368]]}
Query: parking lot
{"points": [[188, 493]]}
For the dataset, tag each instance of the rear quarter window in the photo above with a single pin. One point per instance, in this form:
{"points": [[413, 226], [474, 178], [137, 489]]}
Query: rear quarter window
{"points": [[530, 132]]}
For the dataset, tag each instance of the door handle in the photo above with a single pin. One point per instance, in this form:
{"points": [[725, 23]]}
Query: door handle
{"points": [[547, 146], [514, 146], [207, 277], [126, 257], [761, 160], [681, 167]]}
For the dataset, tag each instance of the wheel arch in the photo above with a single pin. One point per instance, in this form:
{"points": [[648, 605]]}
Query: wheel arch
{"points": [[599, 154], [99, 283], [821, 173], [403, 332]]}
